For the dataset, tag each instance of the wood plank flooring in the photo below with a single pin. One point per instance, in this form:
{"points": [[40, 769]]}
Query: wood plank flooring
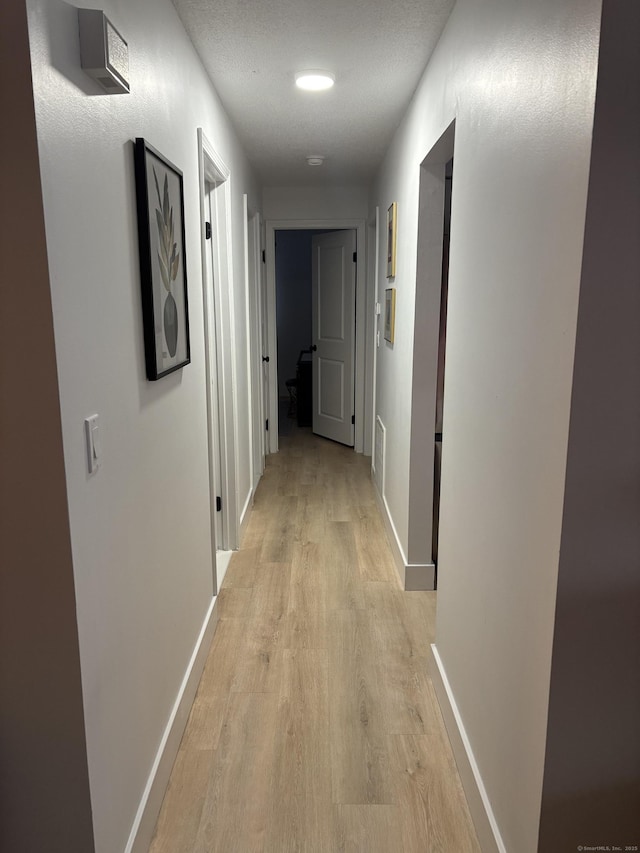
{"points": [[315, 727]]}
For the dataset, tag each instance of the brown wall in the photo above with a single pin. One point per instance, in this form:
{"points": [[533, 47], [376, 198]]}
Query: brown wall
{"points": [[591, 793], [44, 786]]}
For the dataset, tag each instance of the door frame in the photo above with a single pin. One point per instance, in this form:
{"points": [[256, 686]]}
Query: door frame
{"points": [[220, 368], [420, 572], [255, 347], [362, 303]]}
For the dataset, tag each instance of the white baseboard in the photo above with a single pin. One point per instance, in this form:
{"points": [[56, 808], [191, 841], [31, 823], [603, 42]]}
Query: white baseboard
{"points": [[246, 514], [419, 576], [413, 576], [392, 535], [223, 558], [145, 821], [479, 805]]}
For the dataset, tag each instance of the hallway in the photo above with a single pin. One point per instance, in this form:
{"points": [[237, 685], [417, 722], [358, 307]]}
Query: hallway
{"points": [[315, 727]]}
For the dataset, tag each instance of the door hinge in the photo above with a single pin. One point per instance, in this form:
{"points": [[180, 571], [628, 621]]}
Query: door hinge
{"points": [[264, 256], [353, 419], [355, 257], [218, 504], [266, 424], [207, 230]]}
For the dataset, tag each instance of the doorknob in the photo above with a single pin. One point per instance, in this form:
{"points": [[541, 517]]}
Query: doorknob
{"points": [[265, 358], [314, 348]]}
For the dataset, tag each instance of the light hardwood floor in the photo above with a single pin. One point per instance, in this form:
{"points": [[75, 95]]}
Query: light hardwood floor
{"points": [[315, 727]]}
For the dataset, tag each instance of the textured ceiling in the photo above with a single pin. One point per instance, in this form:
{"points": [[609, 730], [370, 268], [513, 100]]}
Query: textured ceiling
{"points": [[376, 49]]}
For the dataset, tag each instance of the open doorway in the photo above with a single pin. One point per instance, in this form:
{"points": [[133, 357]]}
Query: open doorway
{"points": [[428, 416], [293, 323], [363, 309], [315, 284], [442, 340]]}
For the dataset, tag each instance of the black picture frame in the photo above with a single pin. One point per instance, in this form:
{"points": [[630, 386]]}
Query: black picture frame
{"points": [[163, 263]]}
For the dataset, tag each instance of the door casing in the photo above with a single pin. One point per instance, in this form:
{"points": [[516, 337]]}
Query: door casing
{"points": [[254, 286], [420, 570], [214, 179]]}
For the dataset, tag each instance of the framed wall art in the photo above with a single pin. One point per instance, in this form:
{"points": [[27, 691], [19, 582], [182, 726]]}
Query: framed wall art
{"points": [[389, 314], [163, 271], [392, 215]]}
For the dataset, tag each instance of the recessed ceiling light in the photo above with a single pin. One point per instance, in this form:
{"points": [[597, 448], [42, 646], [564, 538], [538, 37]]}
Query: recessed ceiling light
{"points": [[315, 81]]}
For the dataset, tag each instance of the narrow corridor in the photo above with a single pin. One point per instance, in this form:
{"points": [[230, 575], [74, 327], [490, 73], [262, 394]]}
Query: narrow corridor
{"points": [[315, 727]]}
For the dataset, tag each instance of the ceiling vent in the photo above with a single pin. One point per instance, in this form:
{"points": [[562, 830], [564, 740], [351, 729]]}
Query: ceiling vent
{"points": [[104, 54]]}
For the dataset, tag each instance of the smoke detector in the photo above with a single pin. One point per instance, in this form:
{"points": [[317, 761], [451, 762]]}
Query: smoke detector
{"points": [[315, 159], [104, 54]]}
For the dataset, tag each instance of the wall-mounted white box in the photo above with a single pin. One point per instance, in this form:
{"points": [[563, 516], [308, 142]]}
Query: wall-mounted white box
{"points": [[104, 54]]}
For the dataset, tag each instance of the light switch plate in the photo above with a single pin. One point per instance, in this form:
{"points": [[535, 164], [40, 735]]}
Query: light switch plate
{"points": [[94, 445]]}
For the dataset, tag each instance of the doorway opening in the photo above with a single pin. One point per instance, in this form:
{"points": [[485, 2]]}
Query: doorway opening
{"points": [[428, 424], [339, 383], [315, 320], [442, 340]]}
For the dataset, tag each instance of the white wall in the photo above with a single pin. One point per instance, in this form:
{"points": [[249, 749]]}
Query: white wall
{"points": [[591, 789], [519, 79], [315, 202], [140, 528]]}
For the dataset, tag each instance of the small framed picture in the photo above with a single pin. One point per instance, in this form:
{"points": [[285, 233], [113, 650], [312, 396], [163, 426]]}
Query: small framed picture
{"points": [[163, 270], [389, 314], [392, 216]]}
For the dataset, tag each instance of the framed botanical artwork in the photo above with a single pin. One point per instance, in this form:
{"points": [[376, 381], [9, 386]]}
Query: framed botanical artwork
{"points": [[163, 271], [389, 314], [392, 216]]}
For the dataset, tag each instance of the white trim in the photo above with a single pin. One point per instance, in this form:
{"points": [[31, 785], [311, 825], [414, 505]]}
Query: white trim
{"points": [[223, 558], [246, 513], [479, 805], [210, 366], [371, 349], [247, 321], [412, 576], [273, 225], [254, 339], [426, 337], [265, 383], [419, 576], [233, 541], [154, 791], [219, 314]]}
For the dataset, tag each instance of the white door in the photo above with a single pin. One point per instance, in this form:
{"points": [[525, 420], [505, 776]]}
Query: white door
{"points": [[333, 284]]}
